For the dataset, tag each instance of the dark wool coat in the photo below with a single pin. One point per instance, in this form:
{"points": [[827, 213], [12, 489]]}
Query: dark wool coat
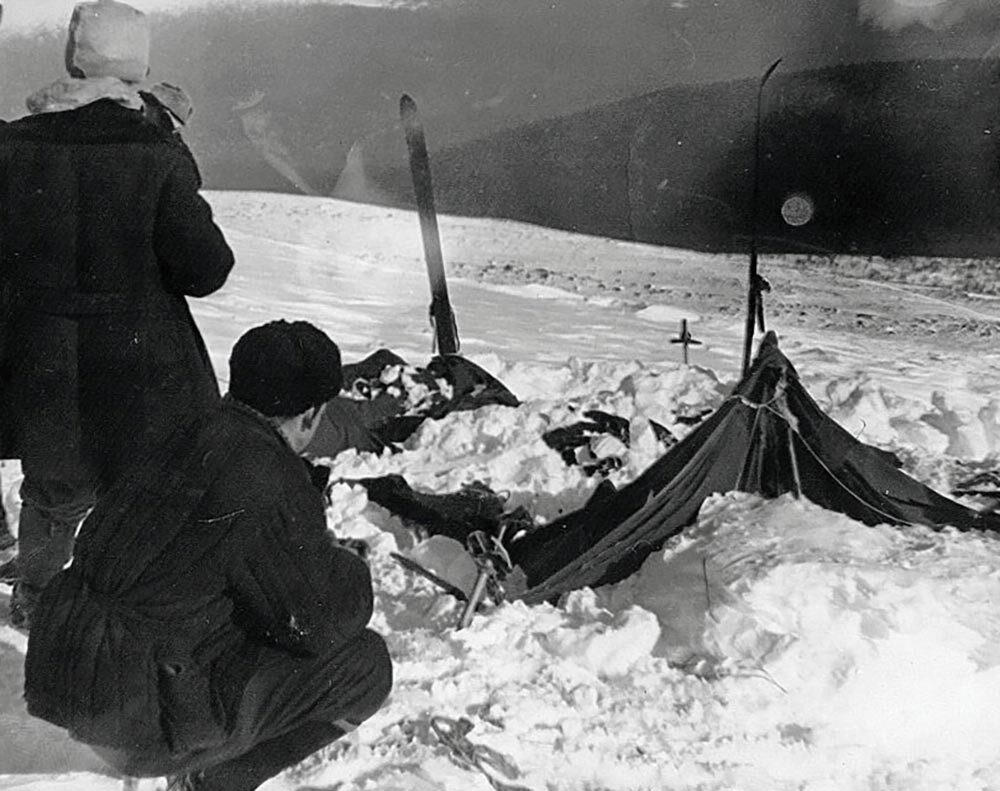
{"points": [[194, 560], [102, 235]]}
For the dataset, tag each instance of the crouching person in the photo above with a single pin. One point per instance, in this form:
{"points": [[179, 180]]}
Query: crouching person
{"points": [[210, 628]]}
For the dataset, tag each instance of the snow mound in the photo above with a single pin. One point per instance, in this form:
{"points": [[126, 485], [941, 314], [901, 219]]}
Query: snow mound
{"points": [[666, 314], [948, 425], [883, 637]]}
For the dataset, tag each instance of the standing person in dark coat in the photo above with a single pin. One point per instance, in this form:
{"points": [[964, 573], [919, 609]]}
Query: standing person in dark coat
{"points": [[103, 235], [210, 626]]}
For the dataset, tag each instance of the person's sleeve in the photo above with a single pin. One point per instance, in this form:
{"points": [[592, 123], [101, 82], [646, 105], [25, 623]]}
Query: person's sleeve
{"points": [[194, 257], [297, 590]]}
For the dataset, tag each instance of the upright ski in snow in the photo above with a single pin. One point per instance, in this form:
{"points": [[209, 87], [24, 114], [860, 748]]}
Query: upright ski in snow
{"points": [[442, 317], [755, 283]]}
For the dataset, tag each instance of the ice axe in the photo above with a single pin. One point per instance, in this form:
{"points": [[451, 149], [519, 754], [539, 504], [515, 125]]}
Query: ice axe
{"points": [[492, 563]]}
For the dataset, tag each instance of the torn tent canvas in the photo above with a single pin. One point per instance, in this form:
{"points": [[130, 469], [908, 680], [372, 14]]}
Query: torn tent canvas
{"points": [[770, 438]]}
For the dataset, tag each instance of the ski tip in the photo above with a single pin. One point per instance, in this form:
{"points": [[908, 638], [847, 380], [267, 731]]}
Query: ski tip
{"points": [[770, 70]]}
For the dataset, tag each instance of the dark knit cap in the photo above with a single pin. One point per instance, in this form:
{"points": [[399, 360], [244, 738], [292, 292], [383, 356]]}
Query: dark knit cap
{"points": [[283, 368]]}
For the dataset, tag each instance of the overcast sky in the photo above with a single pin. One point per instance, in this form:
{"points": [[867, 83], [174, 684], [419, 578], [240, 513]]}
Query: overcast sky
{"points": [[23, 14], [19, 15], [891, 14]]}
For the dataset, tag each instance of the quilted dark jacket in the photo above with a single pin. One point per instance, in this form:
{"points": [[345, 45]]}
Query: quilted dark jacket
{"points": [[102, 236], [197, 558]]}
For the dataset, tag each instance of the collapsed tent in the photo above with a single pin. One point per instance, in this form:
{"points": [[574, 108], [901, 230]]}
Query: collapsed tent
{"points": [[770, 438]]}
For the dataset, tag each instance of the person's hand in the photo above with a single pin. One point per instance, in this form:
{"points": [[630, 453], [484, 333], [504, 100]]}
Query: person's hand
{"points": [[355, 545], [319, 475]]}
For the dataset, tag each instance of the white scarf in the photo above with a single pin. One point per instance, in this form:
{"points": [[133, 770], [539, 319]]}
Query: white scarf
{"points": [[69, 93]]}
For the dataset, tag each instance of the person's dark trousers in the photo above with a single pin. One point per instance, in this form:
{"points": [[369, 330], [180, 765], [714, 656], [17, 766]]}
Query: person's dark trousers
{"points": [[7, 539], [291, 708], [51, 512]]}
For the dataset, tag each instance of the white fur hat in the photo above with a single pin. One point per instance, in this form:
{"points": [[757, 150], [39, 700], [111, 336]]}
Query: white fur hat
{"points": [[108, 39]]}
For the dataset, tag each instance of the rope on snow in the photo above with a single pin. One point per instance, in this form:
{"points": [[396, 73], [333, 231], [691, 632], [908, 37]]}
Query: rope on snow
{"points": [[453, 734]]}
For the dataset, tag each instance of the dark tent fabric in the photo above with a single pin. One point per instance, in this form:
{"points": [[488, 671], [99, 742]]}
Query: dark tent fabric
{"points": [[983, 484], [573, 442], [769, 437], [472, 386], [378, 415], [347, 423], [454, 515]]}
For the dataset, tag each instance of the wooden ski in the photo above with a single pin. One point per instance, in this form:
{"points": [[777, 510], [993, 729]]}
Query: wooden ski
{"points": [[442, 317], [755, 307]]}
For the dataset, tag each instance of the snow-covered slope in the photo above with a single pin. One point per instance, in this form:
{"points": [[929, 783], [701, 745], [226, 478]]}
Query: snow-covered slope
{"points": [[775, 646]]}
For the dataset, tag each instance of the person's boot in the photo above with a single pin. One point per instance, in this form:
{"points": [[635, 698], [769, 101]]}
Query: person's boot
{"points": [[7, 539], [8, 571], [23, 600], [191, 781], [264, 761]]}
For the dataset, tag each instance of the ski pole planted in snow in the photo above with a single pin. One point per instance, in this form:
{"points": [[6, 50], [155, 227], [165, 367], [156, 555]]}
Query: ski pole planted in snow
{"points": [[755, 284], [442, 317], [686, 339]]}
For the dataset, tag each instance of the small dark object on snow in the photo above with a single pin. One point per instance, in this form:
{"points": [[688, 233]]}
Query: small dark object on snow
{"points": [[568, 440], [985, 484], [691, 417]]}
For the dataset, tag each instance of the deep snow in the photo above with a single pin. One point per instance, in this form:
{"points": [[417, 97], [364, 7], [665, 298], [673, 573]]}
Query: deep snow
{"points": [[773, 646]]}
